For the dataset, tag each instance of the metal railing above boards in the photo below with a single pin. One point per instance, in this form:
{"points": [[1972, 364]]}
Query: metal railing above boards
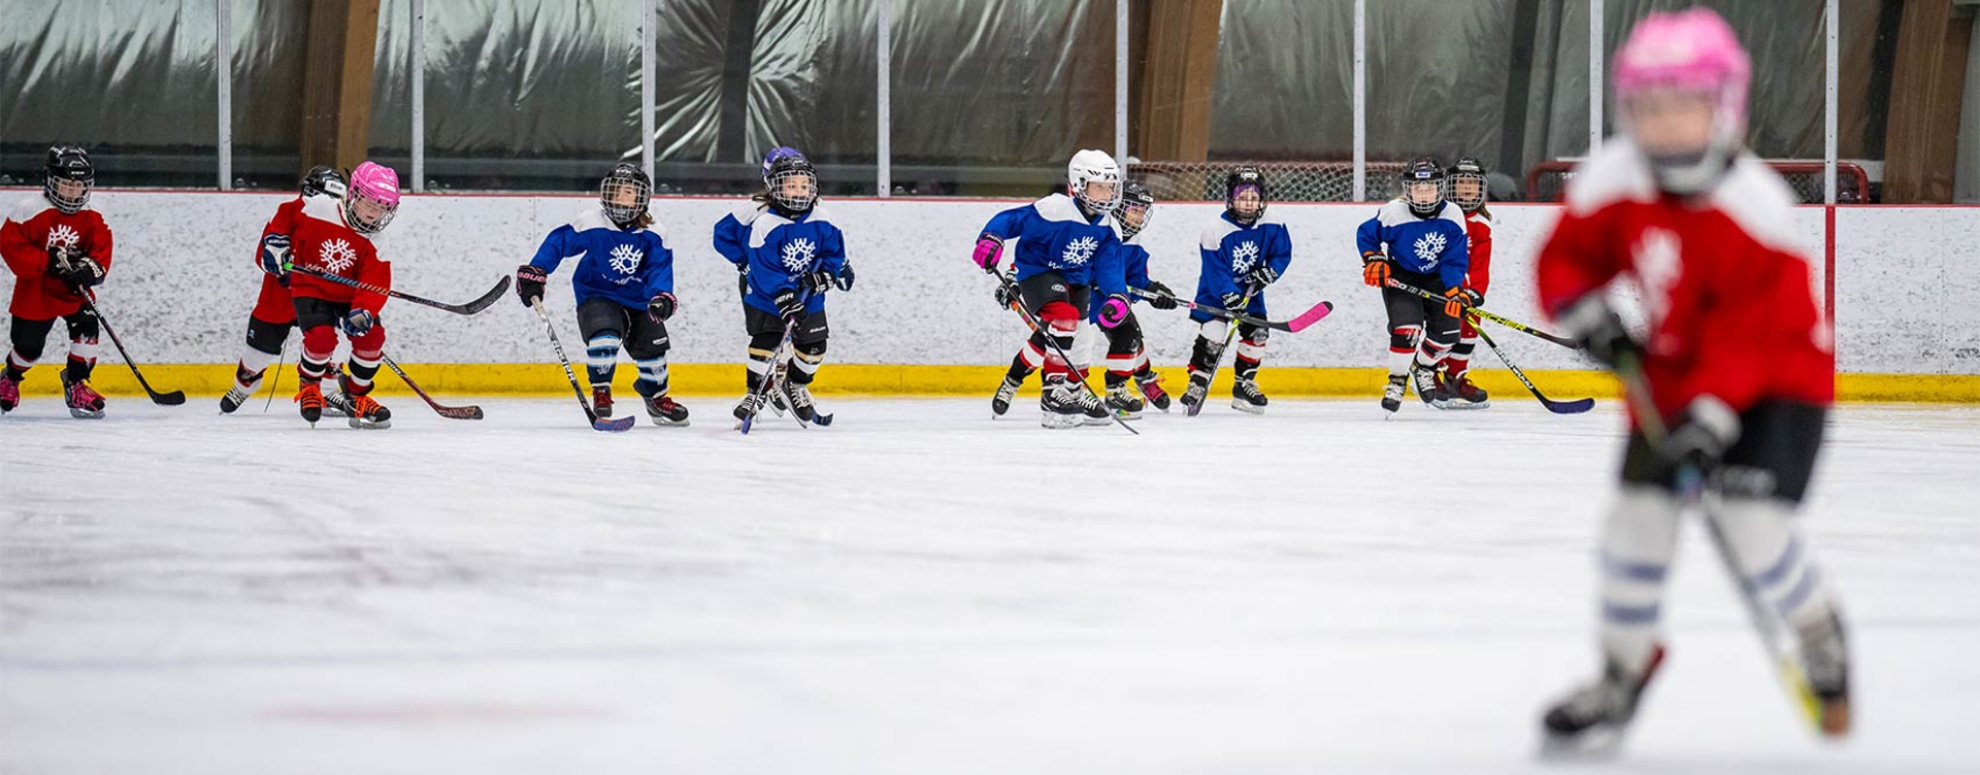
{"points": [[1547, 182]]}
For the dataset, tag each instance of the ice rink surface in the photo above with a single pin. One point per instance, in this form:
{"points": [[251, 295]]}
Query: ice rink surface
{"points": [[920, 590]]}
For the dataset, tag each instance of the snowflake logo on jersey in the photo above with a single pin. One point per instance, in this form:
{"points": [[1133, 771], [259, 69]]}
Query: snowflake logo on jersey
{"points": [[337, 255], [1079, 251], [1244, 257], [626, 258], [62, 237], [1429, 248], [797, 254]]}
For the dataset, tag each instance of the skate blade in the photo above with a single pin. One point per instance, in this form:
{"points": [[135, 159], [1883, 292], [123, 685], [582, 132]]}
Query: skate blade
{"points": [[666, 423], [85, 414], [369, 425], [1467, 406], [1246, 407], [1060, 422], [1595, 744], [1094, 422]]}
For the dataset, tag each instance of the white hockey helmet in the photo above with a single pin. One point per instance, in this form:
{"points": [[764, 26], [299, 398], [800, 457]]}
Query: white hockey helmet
{"points": [[1093, 166]]}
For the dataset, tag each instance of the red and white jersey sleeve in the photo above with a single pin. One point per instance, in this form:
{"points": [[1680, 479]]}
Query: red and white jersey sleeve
{"points": [[284, 223], [1729, 299], [33, 226], [1478, 234], [319, 240]]}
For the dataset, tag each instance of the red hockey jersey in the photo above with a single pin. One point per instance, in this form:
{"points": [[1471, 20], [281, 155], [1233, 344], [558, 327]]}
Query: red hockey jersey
{"points": [[32, 227], [1728, 297], [284, 223], [1478, 234], [319, 240]]}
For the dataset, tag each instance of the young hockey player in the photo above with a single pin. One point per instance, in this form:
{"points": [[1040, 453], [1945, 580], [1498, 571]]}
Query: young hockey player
{"points": [[333, 236], [732, 232], [625, 290], [795, 255], [274, 312], [1738, 361], [1243, 252], [59, 250], [1060, 240], [1467, 181], [1417, 239], [1127, 357]]}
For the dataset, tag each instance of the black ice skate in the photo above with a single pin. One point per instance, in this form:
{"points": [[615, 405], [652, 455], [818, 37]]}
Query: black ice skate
{"points": [[798, 398], [336, 403], [1151, 386], [750, 405], [1001, 402], [1424, 379], [1392, 395], [367, 414], [601, 400], [664, 411], [1095, 410], [1246, 397], [1463, 393], [1592, 720], [242, 390], [1124, 401], [1825, 659], [1199, 387], [1059, 404]]}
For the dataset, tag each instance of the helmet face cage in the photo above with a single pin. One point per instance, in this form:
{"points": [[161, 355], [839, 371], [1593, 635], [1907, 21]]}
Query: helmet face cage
{"points": [[1466, 184], [770, 160], [1419, 173], [1137, 202], [1237, 182], [793, 185], [1079, 184], [624, 197], [362, 225], [69, 164]]}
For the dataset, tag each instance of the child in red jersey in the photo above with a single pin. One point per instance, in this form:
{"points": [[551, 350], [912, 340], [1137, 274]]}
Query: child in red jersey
{"points": [[59, 250]]}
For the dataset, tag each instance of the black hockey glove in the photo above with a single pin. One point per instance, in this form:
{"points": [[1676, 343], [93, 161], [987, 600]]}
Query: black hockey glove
{"points": [[790, 303], [1007, 295], [82, 272], [845, 278], [1701, 435], [1599, 331], [1234, 301], [661, 306], [1163, 299], [1263, 276], [529, 284], [359, 322]]}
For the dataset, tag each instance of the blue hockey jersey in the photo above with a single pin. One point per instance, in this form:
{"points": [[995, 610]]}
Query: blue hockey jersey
{"points": [[1124, 267], [781, 251], [1434, 244], [1053, 235], [1231, 251], [628, 267], [732, 232]]}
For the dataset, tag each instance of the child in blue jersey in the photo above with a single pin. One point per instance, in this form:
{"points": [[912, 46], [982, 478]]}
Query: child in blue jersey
{"points": [[732, 232], [795, 254], [1243, 252], [1060, 240], [1419, 240], [625, 289]]}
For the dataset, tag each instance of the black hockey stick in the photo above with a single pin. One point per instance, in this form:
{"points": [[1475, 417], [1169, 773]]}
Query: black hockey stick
{"points": [[1775, 635], [772, 376], [615, 425], [459, 309], [1488, 315], [449, 412], [1010, 287], [1217, 355], [1576, 406], [1293, 326], [173, 398]]}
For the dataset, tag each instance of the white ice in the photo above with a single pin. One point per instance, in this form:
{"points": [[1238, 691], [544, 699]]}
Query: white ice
{"points": [[920, 590]]}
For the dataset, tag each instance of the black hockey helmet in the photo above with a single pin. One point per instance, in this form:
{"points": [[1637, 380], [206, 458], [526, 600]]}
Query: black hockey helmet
{"points": [[69, 163], [325, 179], [1421, 171], [1468, 197], [1134, 197], [1239, 179], [612, 193], [792, 197]]}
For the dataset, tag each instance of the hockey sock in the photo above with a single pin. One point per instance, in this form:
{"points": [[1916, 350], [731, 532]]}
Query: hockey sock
{"points": [[601, 359], [1638, 542], [82, 358], [1027, 361], [1402, 347], [17, 367], [805, 361], [319, 344], [1459, 358], [363, 368], [254, 363], [759, 365], [1773, 557], [1251, 351], [652, 377]]}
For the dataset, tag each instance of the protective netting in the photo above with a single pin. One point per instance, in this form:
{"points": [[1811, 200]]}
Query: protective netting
{"points": [[1548, 181], [1294, 181]]}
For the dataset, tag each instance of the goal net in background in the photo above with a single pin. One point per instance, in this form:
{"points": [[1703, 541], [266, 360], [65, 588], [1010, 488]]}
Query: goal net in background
{"points": [[1333, 181]]}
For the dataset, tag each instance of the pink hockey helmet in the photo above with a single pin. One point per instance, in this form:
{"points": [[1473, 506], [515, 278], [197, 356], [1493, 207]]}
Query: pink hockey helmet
{"points": [[1693, 50], [372, 198]]}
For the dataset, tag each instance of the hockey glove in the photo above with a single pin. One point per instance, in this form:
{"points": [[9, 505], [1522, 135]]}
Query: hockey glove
{"points": [[989, 250], [1375, 269], [1234, 301], [82, 272], [359, 322], [1007, 295], [529, 283], [845, 278], [742, 279], [1114, 311], [1701, 435], [1263, 276], [1592, 324], [1164, 298], [790, 304], [661, 306], [1456, 301], [274, 256]]}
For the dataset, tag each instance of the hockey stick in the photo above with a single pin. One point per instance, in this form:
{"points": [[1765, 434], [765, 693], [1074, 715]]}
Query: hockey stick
{"points": [[459, 309], [615, 425], [1217, 356], [449, 412], [1295, 325], [1010, 286], [1576, 406], [275, 385], [772, 376], [173, 398], [1488, 315], [1775, 636]]}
